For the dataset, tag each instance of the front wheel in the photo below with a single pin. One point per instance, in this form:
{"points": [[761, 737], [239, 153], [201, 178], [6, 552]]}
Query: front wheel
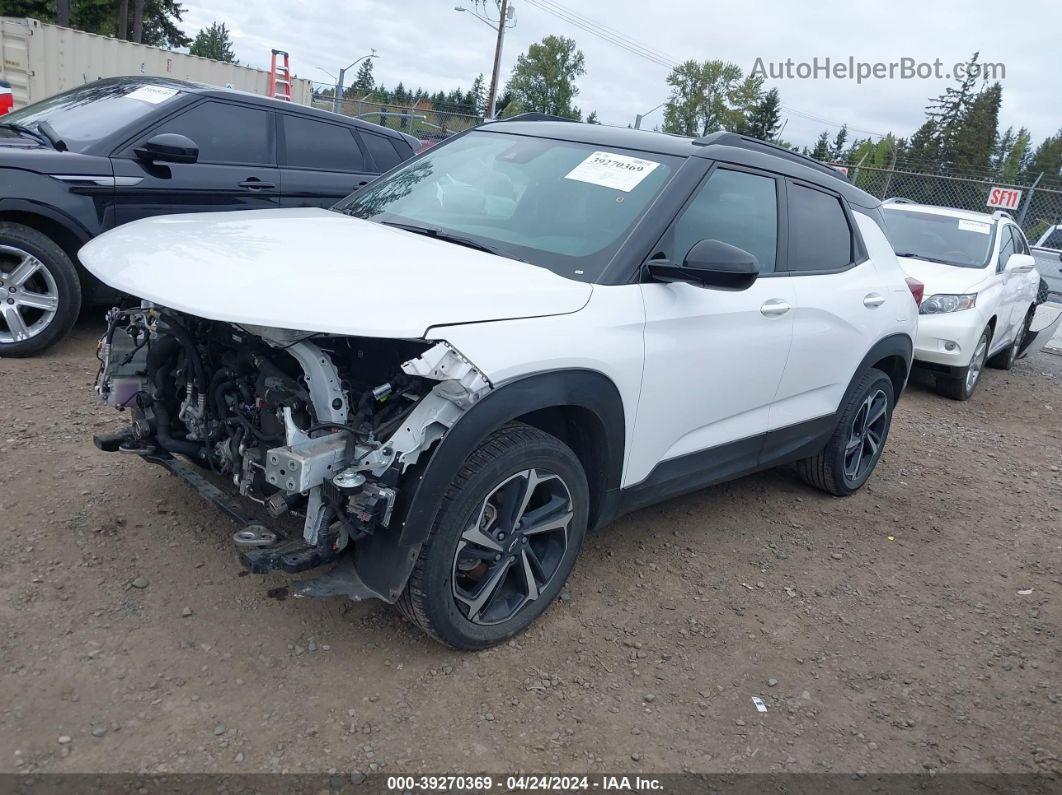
{"points": [[40, 294], [504, 541], [962, 384], [853, 450], [1004, 360]]}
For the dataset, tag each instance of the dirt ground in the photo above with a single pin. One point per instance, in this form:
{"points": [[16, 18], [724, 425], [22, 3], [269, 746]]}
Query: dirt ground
{"points": [[915, 626]]}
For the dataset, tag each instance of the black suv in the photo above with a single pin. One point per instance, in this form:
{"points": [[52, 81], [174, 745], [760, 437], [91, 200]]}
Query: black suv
{"points": [[112, 151]]}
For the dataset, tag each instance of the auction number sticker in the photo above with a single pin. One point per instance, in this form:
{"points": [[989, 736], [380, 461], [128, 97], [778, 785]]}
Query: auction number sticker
{"points": [[153, 94], [612, 171], [975, 226]]}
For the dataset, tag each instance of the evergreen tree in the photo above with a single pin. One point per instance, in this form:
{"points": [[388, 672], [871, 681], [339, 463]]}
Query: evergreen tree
{"points": [[479, 95], [1047, 160], [214, 42], [822, 147], [923, 151], [838, 143], [364, 82], [977, 131], [592, 118], [949, 109], [1012, 155], [763, 118]]}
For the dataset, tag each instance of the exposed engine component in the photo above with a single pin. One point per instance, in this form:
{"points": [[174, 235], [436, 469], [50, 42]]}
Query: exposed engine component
{"points": [[313, 425]]}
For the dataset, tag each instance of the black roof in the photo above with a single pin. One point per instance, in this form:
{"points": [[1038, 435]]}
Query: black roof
{"points": [[203, 89], [725, 146]]}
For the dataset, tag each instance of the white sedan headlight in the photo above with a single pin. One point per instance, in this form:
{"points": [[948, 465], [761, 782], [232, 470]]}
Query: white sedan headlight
{"points": [[942, 304]]}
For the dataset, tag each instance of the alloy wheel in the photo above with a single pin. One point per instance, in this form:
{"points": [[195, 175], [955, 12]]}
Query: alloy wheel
{"points": [[513, 546], [977, 363], [29, 297], [866, 435]]}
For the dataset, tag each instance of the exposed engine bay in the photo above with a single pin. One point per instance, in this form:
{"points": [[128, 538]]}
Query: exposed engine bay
{"points": [[306, 425]]}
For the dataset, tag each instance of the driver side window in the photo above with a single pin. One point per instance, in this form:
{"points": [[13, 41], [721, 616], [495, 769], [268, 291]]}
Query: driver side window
{"points": [[735, 207], [1006, 248]]}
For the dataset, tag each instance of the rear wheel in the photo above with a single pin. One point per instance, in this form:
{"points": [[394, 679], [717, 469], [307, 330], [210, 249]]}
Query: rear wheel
{"points": [[853, 450], [504, 541], [962, 384], [1005, 359], [40, 294]]}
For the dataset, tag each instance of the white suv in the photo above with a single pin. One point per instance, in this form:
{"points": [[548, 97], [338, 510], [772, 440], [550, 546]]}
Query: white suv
{"points": [[519, 335], [980, 285]]}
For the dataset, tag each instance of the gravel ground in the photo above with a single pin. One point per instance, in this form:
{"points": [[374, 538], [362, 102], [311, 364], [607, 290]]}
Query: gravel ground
{"points": [[912, 627]]}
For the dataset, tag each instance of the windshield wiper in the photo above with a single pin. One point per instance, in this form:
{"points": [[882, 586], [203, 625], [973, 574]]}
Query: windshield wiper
{"points": [[24, 130], [438, 234], [46, 129], [923, 256]]}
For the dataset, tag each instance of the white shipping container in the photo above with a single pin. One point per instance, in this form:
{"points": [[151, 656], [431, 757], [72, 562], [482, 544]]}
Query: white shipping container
{"points": [[40, 60]]}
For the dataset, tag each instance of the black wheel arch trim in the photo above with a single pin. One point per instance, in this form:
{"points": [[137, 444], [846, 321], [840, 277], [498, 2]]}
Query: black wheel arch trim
{"points": [[385, 559], [29, 207]]}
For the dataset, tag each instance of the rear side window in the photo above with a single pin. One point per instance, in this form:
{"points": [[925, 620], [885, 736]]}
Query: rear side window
{"points": [[733, 207], [225, 133], [316, 144], [819, 236], [381, 151]]}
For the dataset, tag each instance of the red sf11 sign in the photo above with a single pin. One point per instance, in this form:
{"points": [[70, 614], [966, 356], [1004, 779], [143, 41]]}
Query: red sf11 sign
{"points": [[1004, 198]]}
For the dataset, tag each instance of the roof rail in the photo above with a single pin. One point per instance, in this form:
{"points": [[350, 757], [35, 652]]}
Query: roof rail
{"points": [[899, 200], [534, 116], [1003, 214], [755, 144]]}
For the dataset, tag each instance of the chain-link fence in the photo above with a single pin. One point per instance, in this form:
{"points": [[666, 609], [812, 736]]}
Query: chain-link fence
{"points": [[423, 119], [1040, 205]]}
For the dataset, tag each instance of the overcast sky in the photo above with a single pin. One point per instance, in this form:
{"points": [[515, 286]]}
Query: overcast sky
{"points": [[427, 43]]}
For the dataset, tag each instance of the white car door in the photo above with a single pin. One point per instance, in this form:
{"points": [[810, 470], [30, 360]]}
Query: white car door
{"points": [[1011, 289], [843, 305], [714, 357]]}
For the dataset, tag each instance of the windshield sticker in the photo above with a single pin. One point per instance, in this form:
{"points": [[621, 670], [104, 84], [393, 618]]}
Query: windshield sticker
{"points": [[612, 171], [975, 226], [153, 94]]}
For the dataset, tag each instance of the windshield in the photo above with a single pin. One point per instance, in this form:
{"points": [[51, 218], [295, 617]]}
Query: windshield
{"points": [[955, 241], [83, 115], [561, 205]]}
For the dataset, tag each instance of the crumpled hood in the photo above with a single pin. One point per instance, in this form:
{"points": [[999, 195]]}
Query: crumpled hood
{"points": [[316, 270], [943, 279]]}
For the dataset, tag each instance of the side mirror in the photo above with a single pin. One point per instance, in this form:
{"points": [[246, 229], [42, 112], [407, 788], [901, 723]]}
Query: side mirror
{"points": [[168, 148], [1020, 263], [710, 263]]}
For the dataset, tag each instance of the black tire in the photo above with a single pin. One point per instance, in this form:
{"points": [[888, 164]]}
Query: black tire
{"points": [[429, 599], [57, 267], [1043, 292], [958, 386], [1005, 359], [829, 470]]}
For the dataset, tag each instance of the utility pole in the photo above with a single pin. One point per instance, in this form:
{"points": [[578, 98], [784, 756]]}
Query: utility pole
{"points": [[337, 99], [493, 93]]}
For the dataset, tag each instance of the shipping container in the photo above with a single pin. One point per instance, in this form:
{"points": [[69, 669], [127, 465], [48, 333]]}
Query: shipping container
{"points": [[39, 60]]}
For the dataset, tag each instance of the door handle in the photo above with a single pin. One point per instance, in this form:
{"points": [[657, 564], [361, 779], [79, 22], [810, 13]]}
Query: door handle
{"points": [[774, 308], [873, 300], [253, 183]]}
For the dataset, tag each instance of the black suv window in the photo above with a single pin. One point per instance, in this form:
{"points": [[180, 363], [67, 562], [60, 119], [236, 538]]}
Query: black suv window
{"points": [[318, 144], [734, 207], [225, 133], [381, 151], [819, 236]]}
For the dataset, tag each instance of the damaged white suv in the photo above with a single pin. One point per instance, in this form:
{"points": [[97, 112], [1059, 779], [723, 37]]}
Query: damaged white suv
{"points": [[435, 389]]}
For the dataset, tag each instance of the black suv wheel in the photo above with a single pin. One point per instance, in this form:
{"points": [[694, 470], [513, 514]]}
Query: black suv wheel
{"points": [[850, 456], [504, 541], [40, 294]]}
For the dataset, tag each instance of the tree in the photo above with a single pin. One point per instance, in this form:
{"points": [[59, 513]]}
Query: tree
{"points": [[478, 94], [763, 118], [364, 82], [592, 118], [1047, 160], [1012, 152], [158, 20], [710, 96], [838, 143], [977, 131], [822, 146], [543, 79], [214, 43], [949, 109]]}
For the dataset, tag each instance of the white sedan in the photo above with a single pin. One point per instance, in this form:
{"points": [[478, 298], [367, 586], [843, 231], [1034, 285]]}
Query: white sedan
{"points": [[980, 289]]}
